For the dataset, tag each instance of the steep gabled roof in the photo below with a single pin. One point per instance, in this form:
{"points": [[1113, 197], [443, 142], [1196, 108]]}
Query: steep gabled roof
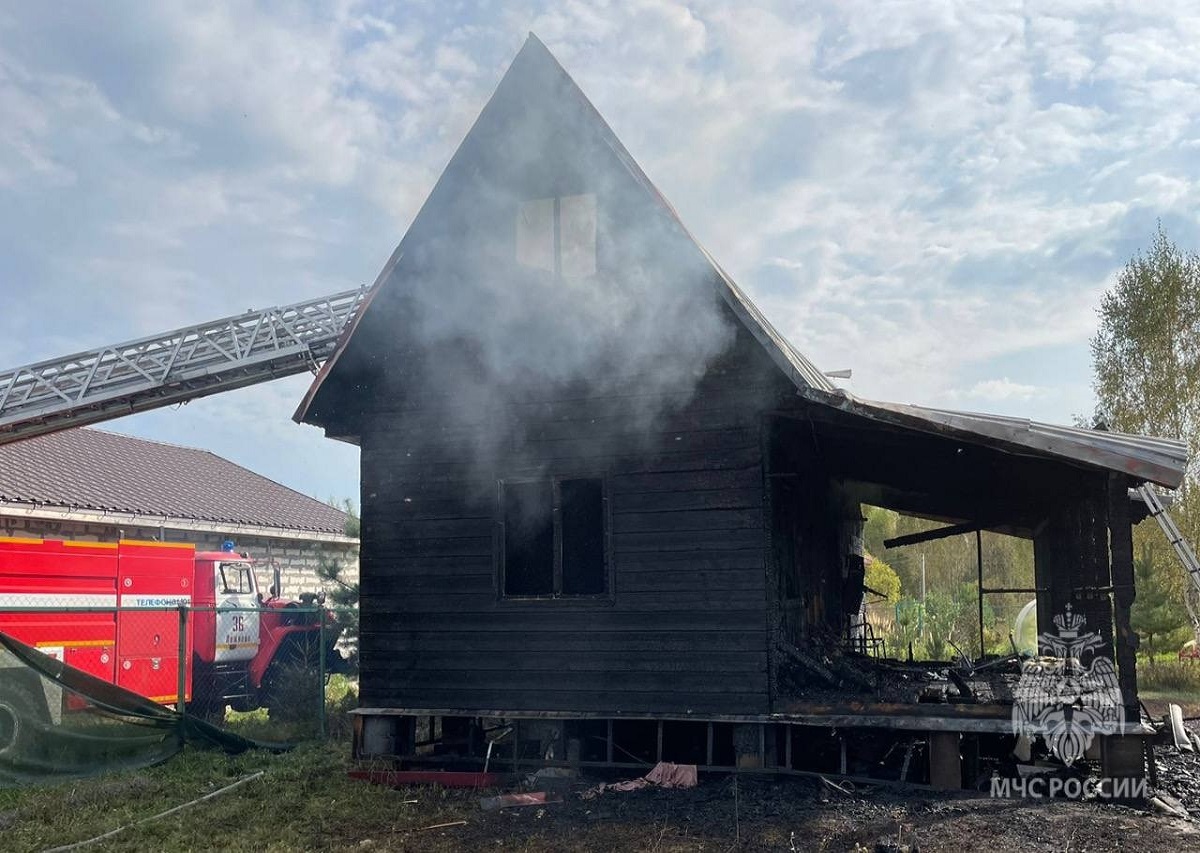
{"points": [[535, 63], [1160, 460], [93, 469]]}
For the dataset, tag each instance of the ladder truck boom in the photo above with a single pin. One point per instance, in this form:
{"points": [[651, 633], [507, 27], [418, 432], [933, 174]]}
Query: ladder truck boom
{"points": [[172, 367]]}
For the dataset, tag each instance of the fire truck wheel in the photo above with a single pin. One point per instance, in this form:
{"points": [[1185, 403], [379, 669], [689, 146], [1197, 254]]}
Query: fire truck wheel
{"points": [[22, 706]]}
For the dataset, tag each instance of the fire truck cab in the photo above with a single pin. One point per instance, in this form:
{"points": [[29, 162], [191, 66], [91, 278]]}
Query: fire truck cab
{"points": [[253, 650]]}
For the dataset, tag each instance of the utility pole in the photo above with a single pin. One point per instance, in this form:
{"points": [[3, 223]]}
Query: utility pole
{"points": [[922, 625]]}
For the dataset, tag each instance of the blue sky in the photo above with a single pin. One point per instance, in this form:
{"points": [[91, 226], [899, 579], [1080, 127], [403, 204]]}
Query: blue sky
{"points": [[934, 194]]}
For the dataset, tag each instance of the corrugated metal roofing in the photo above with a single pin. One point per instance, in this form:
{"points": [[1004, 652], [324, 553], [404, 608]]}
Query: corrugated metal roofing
{"points": [[99, 470], [1161, 460]]}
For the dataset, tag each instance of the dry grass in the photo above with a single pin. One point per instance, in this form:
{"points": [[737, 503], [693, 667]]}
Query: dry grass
{"points": [[1170, 676]]}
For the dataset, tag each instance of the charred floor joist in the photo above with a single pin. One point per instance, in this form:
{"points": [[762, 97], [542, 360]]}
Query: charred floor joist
{"points": [[602, 495]]}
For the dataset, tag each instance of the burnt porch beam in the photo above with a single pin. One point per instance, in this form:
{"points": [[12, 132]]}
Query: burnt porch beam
{"points": [[931, 535], [1120, 544]]}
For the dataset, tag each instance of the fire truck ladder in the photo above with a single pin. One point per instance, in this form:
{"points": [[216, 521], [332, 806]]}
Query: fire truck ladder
{"points": [[173, 367], [1183, 550]]}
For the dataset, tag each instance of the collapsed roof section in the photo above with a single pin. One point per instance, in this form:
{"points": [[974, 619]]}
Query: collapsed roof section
{"points": [[1160, 460]]}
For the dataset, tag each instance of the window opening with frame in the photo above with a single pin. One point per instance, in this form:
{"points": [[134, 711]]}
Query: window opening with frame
{"points": [[236, 579], [553, 542], [558, 235]]}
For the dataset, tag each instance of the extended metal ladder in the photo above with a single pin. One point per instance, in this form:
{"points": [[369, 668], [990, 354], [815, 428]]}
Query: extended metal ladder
{"points": [[1183, 549], [173, 367]]}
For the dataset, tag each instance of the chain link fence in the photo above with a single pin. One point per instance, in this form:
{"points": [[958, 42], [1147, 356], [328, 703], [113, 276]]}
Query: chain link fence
{"points": [[262, 672]]}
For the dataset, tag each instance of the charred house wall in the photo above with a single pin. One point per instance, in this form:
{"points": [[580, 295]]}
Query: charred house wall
{"points": [[682, 624]]}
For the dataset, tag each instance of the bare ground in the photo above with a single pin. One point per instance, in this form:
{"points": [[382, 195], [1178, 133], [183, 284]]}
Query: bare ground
{"points": [[806, 815]]}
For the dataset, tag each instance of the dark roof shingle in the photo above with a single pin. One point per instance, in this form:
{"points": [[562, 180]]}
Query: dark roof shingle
{"points": [[100, 470]]}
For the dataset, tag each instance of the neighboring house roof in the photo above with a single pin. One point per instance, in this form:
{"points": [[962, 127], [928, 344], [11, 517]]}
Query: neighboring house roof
{"points": [[93, 469], [1157, 459]]}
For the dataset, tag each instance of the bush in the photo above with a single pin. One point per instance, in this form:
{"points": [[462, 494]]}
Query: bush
{"points": [[1169, 676]]}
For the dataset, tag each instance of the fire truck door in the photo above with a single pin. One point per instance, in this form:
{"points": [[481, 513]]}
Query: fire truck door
{"points": [[237, 622]]}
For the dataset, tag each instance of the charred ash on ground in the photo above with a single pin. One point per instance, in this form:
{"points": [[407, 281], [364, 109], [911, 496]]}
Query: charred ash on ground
{"points": [[824, 671]]}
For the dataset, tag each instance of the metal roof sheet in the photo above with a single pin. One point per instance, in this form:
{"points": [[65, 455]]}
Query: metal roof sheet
{"points": [[100, 470], [1161, 460]]}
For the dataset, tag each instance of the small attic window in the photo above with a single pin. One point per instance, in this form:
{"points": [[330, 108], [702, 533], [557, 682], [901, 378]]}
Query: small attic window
{"points": [[535, 233], [577, 235], [558, 235]]}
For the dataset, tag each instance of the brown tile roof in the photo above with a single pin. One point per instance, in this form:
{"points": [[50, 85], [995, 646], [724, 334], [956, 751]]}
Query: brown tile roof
{"points": [[99, 470]]}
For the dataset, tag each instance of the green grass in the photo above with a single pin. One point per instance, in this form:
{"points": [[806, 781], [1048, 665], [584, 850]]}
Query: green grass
{"points": [[304, 801], [283, 810], [1169, 677]]}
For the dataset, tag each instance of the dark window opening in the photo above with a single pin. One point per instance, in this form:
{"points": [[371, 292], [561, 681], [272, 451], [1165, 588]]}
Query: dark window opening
{"points": [[554, 538], [582, 517], [528, 539]]}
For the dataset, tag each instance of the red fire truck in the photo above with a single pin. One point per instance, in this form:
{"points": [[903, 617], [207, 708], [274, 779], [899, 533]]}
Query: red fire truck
{"points": [[120, 621]]}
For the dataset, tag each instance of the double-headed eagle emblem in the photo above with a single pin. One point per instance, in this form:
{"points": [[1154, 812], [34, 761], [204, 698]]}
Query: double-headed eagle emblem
{"points": [[1069, 694]]}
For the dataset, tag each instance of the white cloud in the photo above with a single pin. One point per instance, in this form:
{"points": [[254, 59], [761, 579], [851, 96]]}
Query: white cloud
{"points": [[1002, 390], [42, 112]]}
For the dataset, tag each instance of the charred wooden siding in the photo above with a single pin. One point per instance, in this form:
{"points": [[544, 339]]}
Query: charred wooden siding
{"points": [[685, 628]]}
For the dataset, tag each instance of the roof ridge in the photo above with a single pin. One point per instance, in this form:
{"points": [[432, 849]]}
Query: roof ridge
{"points": [[143, 439], [778, 347]]}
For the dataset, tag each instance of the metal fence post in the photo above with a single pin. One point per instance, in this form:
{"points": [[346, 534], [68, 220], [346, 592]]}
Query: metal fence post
{"points": [[321, 671], [181, 675]]}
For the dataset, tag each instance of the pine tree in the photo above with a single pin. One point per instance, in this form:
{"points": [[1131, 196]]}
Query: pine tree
{"points": [[1158, 614], [343, 596]]}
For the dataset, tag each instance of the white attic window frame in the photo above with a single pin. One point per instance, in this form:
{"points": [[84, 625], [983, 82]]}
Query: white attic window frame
{"points": [[558, 235]]}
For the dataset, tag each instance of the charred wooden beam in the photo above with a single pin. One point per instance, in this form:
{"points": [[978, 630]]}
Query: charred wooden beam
{"points": [[931, 535], [1120, 543], [838, 673]]}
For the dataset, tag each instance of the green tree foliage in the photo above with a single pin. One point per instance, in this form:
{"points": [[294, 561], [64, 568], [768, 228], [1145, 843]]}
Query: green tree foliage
{"points": [[353, 522], [910, 624], [1146, 354], [944, 623], [880, 524], [883, 579], [950, 569], [1146, 358], [1159, 616]]}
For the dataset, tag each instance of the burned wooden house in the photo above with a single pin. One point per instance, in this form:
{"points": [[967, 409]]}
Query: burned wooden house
{"points": [[605, 505]]}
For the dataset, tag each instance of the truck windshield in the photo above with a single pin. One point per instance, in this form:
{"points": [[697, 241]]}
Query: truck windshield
{"points": [[236, 578]]}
